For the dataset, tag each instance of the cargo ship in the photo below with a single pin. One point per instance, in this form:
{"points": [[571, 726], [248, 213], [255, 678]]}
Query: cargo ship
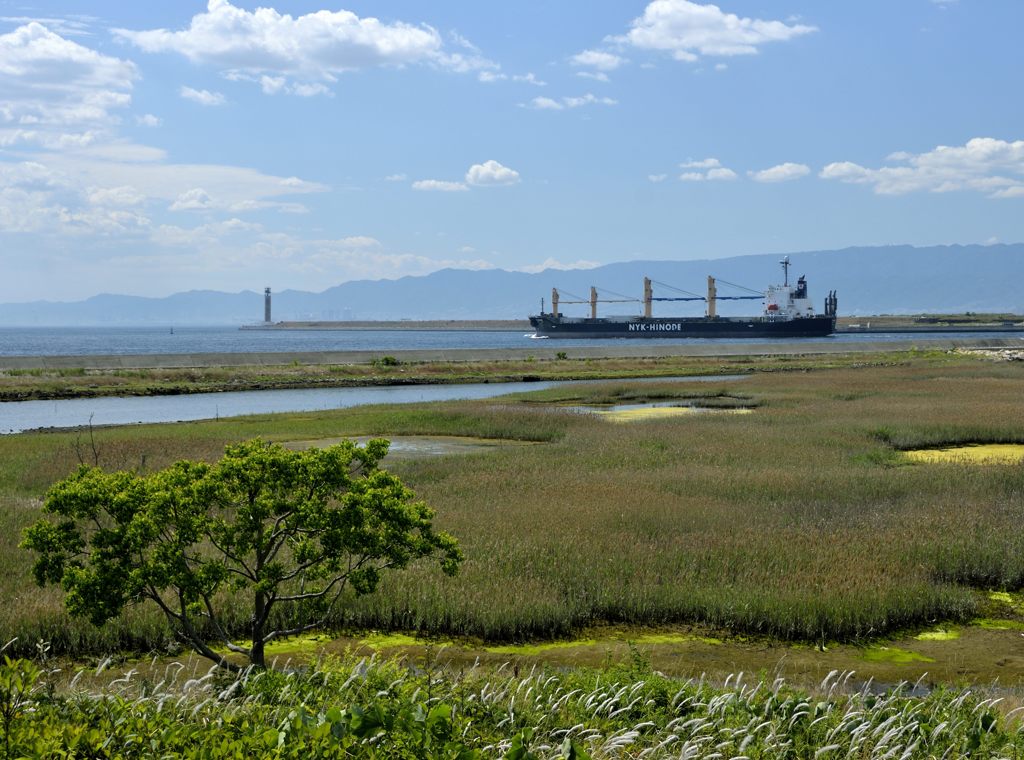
{"points": [[788, 313]]}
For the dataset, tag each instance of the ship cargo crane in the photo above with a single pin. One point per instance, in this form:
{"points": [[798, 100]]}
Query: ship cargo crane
{"points": [[711, 298]]}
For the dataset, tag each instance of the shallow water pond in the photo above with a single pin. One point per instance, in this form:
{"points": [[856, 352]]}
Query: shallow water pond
{"points": [[414, 446], [975, 453]]}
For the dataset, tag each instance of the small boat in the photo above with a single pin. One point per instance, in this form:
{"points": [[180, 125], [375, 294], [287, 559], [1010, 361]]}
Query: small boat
{"points": [[788, 313]]}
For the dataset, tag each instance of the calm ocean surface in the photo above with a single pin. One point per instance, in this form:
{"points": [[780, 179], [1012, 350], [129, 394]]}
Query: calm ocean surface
{"points": [[72, 341]]}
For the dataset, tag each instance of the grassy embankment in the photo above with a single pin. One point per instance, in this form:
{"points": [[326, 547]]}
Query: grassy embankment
{"points": [[77, 382], [967, 319], [800, 521]]}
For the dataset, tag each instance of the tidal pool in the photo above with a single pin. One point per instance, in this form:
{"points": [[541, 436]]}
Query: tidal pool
{"points": [[975, 453], [414, 446]]}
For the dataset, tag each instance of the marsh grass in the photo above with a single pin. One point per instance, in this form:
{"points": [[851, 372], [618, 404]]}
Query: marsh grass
{"points": [[793, 522]]}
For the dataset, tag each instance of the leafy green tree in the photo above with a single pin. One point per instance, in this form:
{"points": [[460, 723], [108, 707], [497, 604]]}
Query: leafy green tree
{"points": [[293, 531]]}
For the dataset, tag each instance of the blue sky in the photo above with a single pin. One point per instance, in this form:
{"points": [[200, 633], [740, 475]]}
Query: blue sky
{"points": [[149, 148]]}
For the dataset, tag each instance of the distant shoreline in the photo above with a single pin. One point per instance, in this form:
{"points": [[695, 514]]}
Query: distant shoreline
{"points": [[460, 325], [545, 350]]}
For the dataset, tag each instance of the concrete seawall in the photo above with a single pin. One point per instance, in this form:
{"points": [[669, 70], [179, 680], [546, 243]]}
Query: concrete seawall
{"points": [[544, 350]]}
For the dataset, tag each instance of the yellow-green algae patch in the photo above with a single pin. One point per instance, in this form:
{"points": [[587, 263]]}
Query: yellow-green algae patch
{"points": [[653, 639], [1016, 601], [661, 412], [975, 453], [893, 655], [939, 634], [290, 645], [549, 646], [395, 640], [998, 624], [619, 637]]}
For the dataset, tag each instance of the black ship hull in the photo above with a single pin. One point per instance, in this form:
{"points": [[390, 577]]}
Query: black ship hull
{"points": [[550, 326]]}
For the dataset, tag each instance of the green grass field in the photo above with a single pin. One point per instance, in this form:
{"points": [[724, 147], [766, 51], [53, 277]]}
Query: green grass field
{"points": [[800, 521]]}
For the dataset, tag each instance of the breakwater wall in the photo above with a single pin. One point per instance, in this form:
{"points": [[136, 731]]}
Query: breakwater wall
{"points": [[544, 350]]}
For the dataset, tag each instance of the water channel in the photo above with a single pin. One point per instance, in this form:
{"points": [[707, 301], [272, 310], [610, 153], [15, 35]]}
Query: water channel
{"points": [[19, 416]]}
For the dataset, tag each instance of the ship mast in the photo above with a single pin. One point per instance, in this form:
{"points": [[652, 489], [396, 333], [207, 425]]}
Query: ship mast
{"points": [[785, 271]]}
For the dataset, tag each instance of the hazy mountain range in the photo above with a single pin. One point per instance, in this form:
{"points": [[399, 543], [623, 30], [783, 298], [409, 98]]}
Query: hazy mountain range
{"points": [[878, 280]]}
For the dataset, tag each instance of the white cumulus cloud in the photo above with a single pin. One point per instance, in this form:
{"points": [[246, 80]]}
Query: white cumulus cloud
{"points": [[115, 196], [491, 173], [195, 199], [527, 78], [982, 164], [720, 173], [279, 85], [488, 174], [58, 93], [688, 30], [781, 173], [705, 169], [107, 189], [704, 163], [543, 103], [598, 59], [202, 97], [550, 104], [439, 185], [311, 48]]}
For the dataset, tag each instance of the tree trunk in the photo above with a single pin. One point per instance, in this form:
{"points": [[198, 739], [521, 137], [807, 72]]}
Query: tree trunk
{"points": [[257, 656]]}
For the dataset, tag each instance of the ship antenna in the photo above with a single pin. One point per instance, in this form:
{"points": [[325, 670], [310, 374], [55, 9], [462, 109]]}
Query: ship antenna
{"points": [[785, 271]]}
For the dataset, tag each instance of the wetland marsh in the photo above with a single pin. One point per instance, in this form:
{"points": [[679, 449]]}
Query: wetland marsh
{"points": [[801, 522], [797, 540]]}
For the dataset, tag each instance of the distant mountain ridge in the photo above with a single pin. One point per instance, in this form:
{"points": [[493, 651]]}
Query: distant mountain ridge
{"points": [[876, 280]]}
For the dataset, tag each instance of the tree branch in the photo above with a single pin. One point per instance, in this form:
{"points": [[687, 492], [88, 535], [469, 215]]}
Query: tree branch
{"points": [[248, 573], [314, 594], [307, 626], [220, 629], [303, 568]]}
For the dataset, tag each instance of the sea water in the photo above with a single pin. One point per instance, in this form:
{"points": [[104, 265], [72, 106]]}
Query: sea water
{"points": [[75, 341]]}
